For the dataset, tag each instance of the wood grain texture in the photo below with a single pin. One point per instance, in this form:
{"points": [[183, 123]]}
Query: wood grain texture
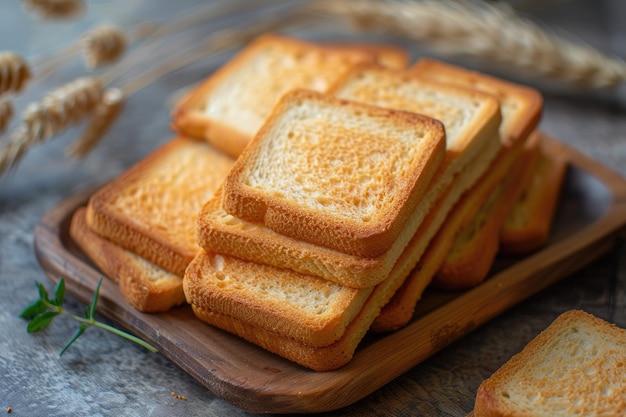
{"points": [[591, 214]]}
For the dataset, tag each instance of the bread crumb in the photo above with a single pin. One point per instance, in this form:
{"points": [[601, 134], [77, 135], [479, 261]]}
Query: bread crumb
{"points": [[178, 396]]}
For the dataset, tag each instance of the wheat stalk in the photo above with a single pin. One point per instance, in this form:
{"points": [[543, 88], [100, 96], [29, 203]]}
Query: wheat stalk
{"points": [[60, 109], [482, 31], [104, 116], [55, 9]]}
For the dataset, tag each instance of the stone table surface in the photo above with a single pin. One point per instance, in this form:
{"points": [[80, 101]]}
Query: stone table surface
{"points": [[104, 375]]}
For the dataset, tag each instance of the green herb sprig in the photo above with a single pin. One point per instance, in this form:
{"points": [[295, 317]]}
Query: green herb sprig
{"points": [[42, 311]]}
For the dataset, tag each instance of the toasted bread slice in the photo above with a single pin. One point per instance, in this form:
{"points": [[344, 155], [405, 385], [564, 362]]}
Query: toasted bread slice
{"points": [[151, 209], [521, 106], [223, 233], [230, 106], [475, 246], [575, 367], [311, 310], [521, 110], [387, 55], [203, 288], [335, 173], [147, 287], [528, 225]]}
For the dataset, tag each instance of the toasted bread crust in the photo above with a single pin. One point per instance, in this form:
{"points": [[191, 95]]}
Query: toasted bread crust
{"points": [[138, 209], [148, 288], [574, 367], [527, 228], [189, 117], [339, 229]]}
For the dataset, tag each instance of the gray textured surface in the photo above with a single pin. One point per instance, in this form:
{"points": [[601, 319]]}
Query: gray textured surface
{"points": [[106, 375]]}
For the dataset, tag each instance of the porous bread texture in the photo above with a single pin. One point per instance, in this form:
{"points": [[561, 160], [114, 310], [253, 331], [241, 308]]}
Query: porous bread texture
{"points": [[145, 286], [527, 227], [232, 104], [151, 209], [338, 353], [220, 232], [335, 173], [311, 310], [575, 367], [521, 106]]}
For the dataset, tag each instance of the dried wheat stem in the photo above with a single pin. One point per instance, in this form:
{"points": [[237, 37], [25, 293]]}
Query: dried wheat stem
{"points": [[14, 72], [6, 113], [55, 9], [491, 33], [104, 116]]}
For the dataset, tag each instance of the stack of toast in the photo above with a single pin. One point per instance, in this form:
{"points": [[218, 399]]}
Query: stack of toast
{"points": [[315, 190]]}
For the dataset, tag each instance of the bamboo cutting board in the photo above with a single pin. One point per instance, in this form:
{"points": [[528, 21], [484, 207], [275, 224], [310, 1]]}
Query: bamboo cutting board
{"points": [[591, 215]]}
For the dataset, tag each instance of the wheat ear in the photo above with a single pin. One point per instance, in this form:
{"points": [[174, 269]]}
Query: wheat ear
{"points": [[55, 9], [14, 72], [58, 110], [104, 116], [479, 30], [103, 45], [6, 113]]}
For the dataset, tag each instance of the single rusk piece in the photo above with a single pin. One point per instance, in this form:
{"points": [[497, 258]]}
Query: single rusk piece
{"points": [[527, 227], [224, 233], [147, 287], [151, 209], [334, 172], [521, 108], [230, 106], [575, 367]]}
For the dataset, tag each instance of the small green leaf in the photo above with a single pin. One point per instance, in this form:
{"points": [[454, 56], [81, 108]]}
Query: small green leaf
{"points": [[41, 321], [33, 309], [79, 331], [94, 301], [43, 294], [59, 292]]}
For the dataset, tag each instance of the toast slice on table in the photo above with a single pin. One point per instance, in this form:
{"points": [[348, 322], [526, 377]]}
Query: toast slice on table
{"points": [[151, 209], [476, 244], [335, 173], [223, 233], [575, 367], [230, 106], [521, 110], [147, 287], [527, 227]]}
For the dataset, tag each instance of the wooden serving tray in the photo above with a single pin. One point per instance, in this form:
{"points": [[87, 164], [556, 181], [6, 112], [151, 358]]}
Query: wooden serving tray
{"points": [[591, 215]]}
